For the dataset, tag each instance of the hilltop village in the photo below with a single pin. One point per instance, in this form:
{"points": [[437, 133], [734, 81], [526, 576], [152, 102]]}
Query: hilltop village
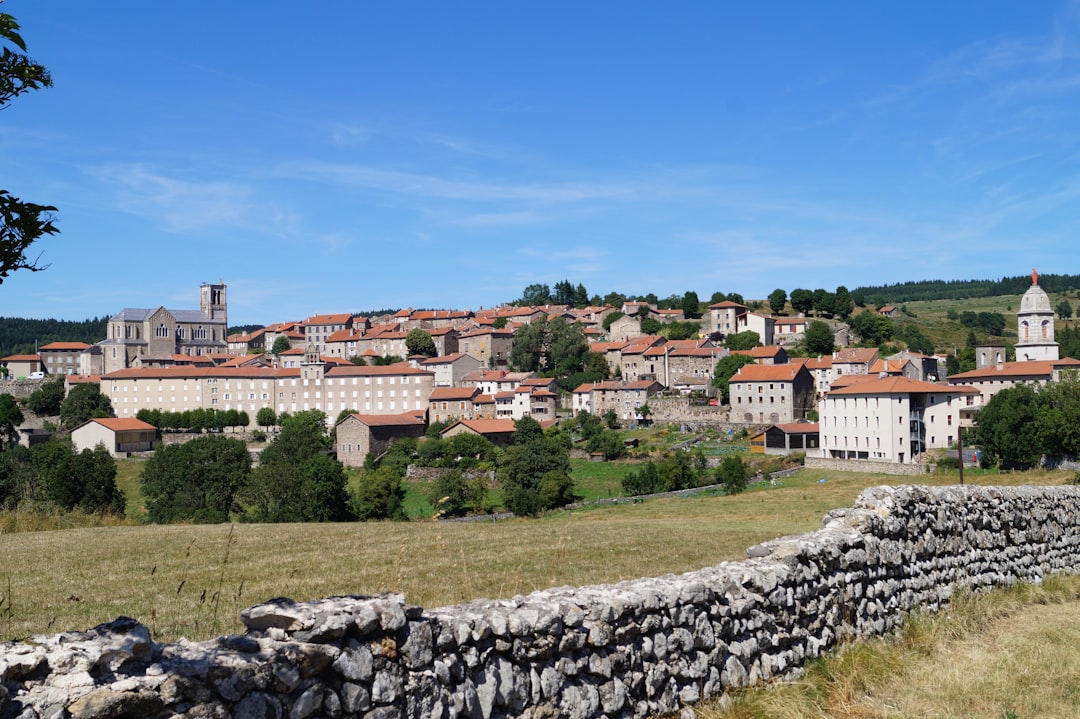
{"points": [[380, 378]]}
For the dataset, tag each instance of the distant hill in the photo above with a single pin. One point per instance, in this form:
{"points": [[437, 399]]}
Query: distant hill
{"points": [[961, 289], [18, 335]]}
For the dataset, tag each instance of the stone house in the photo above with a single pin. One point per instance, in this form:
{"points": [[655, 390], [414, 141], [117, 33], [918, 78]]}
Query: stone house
{"points": [[450, 370], [447, 404], [61, 358], [765, 355], [723, 318], [854, 360], [489, 345], [625, 328], [318, 328], [771, 394], [788, 330], [361, 434], [623, 396]]}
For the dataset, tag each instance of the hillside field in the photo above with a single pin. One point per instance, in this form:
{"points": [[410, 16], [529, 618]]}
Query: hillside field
{"points": [[192, 580]]}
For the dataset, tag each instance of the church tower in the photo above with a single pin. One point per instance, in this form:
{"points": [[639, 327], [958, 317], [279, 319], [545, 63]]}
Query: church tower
{"points": [[212, 301], [1035, 325]]}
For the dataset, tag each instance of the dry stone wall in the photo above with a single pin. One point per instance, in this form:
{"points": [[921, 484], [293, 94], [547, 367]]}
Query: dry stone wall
{"points": [[632, 649]]}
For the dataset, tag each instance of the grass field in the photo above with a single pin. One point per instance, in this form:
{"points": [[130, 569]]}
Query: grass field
{"points": [[192, 580]]}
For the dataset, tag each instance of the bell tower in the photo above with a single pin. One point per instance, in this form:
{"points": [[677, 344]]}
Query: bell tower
{"points": [[212, 301]]}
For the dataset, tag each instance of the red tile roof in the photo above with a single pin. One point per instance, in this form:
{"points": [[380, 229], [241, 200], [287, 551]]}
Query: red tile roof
{"points": [[1006, 370], [65, 346], [767, 373], [122, 424], [899, 385]]}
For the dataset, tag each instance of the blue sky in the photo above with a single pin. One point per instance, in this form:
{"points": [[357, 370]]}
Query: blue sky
{"points": [[340, 156]]}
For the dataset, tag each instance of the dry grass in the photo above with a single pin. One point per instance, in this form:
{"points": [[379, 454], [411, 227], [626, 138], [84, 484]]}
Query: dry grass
{"points": [[186, 580], [1009, 653]]}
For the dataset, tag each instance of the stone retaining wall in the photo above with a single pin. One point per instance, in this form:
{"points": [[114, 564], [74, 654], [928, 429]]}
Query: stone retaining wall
{"points": [[632, 649], [864, 465]]}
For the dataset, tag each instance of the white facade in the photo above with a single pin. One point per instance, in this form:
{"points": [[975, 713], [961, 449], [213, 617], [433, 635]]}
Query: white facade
{"points": [[1035, 326], [894, 419]]}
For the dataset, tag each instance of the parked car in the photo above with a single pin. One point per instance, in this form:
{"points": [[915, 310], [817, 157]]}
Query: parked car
{"points": [[36, 375]]}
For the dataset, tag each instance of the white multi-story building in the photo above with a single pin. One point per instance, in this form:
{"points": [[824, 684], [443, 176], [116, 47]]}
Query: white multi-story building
{"points": [[891, 419]]}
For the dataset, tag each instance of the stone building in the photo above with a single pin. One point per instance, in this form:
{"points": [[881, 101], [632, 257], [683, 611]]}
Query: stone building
{"points": [[773, 394], [160, 333], [361, 434]]}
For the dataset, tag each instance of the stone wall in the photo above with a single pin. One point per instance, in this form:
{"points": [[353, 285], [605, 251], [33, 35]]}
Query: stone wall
{"points": [[864, 465], [636, 648]]}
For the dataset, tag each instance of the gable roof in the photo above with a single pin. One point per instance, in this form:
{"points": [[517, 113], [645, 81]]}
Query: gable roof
{"points": [[120, 424], [64, 346], [405, 419], [1008, 370], [768, 373], [899, 385]]}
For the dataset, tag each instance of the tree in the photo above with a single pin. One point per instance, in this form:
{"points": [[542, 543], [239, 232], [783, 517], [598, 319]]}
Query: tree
{"points": [[607, 441], [872, 328], [535, 294], [726, 368], [419, 342], [281, 344], [564, 293], [843, 305], [84, 401], [741, 341], [581, 296], [818, 338], [1007, 428], [46, 400], [824, 302], [296, 480], [97, 470], [610, 318], [556, 347], [85, 480], [266, 417], [527, 349], [802, 301], [535, 471], [10, 418], [732, 474], [777, 301], [691, 305], [21, 223], [1064, 310], [455, 495], [1058, 421], [197, 481]]}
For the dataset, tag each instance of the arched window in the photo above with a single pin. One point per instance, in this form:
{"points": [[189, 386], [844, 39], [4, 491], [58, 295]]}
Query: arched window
{"points": [[161, 331], [1024, 329], [1045, 329]]}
